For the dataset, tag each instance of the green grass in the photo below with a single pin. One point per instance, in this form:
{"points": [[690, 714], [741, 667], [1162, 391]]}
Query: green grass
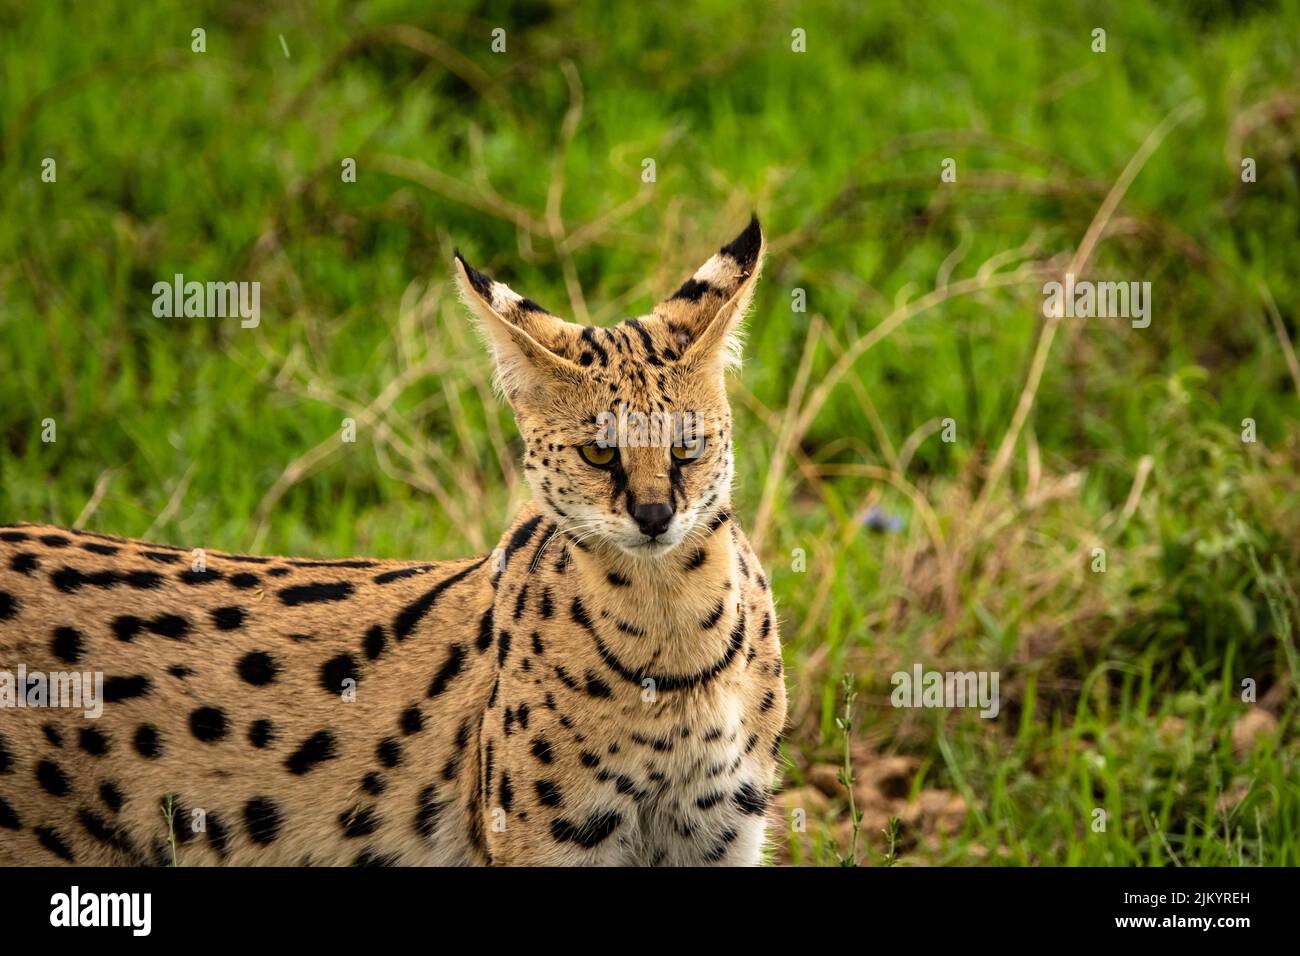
{"points": [[225, 165]]}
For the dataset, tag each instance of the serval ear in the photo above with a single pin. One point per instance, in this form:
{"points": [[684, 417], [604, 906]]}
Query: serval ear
{"points": [[529, 343], [704, 315]]}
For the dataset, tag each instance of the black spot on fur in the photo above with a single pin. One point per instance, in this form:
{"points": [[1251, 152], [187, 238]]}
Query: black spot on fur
{"points": [[317, 748], [257, 668], [316, 592], [66, 645], [170, 625], [8, 606], [750, 800], [262, 820], [12, 536], [450, 668], [181, 823], [389, 576], [97, 826], [616, 579], [147, 742], [580, 616], [162, 557], [374, 642], [389, 752], [55, 540], [373, 783], [368, 857], [412, 721], [208, 724], [413, 613], [719, 851], [118, 689], [93, 742], [589, 336], [548, 793], [228, 618], [127, 626], [692, 290], [426, 816], [218, 838], [507, 792], [24, 563], [261, 733], [358, 823], [245, 580], [588, 834], [541, 749], [111, 795], [709, 800], [9, 819], [522, 535], [52, 734], [336, 670], [207, 576], [520, 601], [484, 640], [95, 548], [597, 687], [714, 617], [53, 841]]}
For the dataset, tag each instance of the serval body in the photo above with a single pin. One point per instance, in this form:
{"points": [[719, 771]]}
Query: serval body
{"points": [[605, 688]]}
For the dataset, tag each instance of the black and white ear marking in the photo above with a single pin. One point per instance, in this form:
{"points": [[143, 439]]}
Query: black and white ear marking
{"points": [[704, 313], [478, 281], [528, 340], [502, 299], [745, 249]]}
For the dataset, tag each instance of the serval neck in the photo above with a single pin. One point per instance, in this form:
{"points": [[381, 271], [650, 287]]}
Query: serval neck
{"points": [[672, 616]]}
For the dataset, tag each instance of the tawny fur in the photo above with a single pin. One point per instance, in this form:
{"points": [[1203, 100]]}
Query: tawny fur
{"points": [[577, 697]]}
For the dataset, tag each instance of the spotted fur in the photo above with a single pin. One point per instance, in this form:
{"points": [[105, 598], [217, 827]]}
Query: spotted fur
{"points": [[590, 693]]}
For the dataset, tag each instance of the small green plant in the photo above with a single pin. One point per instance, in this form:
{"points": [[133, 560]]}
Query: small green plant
{"points": [[169, 814], [845, 724], [890, 856]]}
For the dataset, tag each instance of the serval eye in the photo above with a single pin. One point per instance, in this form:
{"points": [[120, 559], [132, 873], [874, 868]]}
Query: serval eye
{"points": [[689, 451], [600, 456]]}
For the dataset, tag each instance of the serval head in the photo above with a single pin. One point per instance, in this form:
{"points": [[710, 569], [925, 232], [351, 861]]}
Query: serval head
{"points": [[628, 428]]}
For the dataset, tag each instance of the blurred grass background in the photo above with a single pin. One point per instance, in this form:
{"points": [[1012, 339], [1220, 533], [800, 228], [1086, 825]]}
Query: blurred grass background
{"points": [[1121, 689]]}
